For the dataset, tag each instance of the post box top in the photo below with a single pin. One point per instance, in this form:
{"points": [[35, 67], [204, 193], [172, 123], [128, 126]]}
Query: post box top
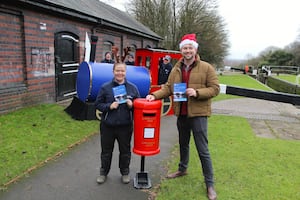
{"points": [[145, 104]]}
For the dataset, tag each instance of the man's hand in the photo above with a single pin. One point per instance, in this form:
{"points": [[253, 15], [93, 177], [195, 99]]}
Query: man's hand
{"points": [[191, 92], [150, 97]]}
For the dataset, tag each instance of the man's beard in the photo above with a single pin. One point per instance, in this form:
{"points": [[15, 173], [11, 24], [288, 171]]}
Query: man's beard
{"points": [[189, 57]]}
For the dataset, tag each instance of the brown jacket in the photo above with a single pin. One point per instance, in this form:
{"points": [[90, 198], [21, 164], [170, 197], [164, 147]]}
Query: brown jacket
{"points": [[203, 79]]}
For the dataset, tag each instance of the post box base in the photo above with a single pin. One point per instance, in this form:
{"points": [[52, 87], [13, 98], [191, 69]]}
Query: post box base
{"points": [[142, 181], [146, 152]]}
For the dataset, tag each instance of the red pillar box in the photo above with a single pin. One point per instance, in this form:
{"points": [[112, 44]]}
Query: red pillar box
{"points": [[146, 126]]}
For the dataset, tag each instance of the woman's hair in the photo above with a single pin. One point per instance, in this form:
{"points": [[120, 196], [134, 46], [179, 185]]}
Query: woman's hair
{"points": [[107, 53], [118, 63]]}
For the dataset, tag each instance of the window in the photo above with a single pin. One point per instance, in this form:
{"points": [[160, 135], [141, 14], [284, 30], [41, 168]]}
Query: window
{"points": [[148, 62], [107, 48]]}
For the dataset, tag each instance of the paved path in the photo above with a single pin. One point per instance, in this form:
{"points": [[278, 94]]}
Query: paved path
{"points": [[267, 118], [73, 175]]}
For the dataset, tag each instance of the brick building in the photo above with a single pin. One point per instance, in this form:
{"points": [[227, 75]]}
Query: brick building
{"points": [[42, 45]]}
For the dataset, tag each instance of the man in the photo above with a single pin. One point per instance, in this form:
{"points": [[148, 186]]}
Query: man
{"points": [[116, 121], [164, 70], [130, 60], [201, 86]]}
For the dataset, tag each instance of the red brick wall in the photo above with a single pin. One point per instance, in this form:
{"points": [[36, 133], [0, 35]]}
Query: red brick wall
{"points": [[27, 64], [11, 51]]}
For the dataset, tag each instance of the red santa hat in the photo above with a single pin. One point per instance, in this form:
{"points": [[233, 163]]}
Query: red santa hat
{"points": [[189, 39]]}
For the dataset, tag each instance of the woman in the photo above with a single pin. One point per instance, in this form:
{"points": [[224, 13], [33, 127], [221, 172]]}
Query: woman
{"points": [[107, 58], [116, 121]]}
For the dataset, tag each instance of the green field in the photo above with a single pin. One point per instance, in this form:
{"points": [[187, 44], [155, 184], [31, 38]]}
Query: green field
{"points": [[245, 166], [31, 136], [239, 80], [288, 77]]}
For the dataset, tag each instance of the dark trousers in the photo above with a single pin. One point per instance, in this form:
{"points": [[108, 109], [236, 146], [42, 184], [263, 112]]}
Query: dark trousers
{"points": [[108, 135], [198, 125]]}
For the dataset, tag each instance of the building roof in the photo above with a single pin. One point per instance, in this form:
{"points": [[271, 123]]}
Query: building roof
{"points": [[97, 12]]}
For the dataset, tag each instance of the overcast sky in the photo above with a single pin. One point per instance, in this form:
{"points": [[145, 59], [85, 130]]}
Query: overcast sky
{"points": [[254, 25]]}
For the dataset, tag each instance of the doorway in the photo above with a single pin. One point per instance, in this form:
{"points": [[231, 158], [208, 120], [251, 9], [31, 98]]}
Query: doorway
{"points": [[66, 52]]}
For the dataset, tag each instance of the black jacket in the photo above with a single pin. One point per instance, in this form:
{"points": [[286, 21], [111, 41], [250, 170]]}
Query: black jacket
{"points": [[122, 115], [163, 73], [107, 61]]}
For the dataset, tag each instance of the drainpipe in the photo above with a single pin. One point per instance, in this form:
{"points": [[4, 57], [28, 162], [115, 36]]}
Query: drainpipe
{"points": [[94, 40]]}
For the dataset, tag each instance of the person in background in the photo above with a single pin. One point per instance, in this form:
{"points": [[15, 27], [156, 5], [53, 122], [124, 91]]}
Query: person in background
{"points": [[107, 58], [164, 70], [192, 115], [116, 123], [130, 60]]}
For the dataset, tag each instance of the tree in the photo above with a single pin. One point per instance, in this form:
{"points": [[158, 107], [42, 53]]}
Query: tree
{"points": [[172, 19], [155, 14], [294, 49], [201, 17], [275, 56], [281, 58]]}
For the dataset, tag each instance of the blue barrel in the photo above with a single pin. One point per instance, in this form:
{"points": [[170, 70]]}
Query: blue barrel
{"points": [[92, 75]]}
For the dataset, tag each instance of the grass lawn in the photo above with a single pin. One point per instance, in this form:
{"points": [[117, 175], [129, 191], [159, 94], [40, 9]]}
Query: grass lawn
{"points": [[287, 77], [239, 80], [246, 166], [244, 81], [31, 136]]}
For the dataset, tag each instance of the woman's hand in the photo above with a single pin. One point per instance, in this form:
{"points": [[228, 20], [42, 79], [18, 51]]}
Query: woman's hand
{"points": [[114, 105], [129, 103]]}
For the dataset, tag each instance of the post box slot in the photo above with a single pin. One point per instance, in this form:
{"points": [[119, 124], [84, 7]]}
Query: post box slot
{"points": [[149, 114]]}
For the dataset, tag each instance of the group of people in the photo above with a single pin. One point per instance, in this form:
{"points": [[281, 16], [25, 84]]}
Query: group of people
{"points": [[165, 65], [108, 59], [192, 115]]}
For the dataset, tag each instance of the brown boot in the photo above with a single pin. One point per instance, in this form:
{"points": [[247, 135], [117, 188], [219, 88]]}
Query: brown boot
{"points": [[211, 193], [177, 174]]}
